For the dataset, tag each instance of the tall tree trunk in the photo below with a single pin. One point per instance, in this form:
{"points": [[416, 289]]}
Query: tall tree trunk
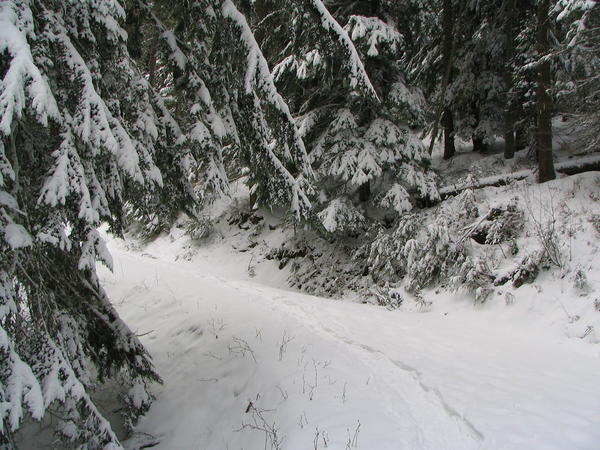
{"points": [[521, 134], [133, 24], [447, 60], [364, 192], [509, 112], [479, 144], [544, 100], [448, 124], [151, 62]]}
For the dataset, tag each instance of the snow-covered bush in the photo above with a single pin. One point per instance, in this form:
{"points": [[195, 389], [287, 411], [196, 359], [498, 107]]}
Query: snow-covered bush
{"points": [[501, 223], [387, 296], [147, 223], [325, 266], [595, 221], [386, 257], [580, 281], [464, 207], [433, 256], [474, 276], [524, 271], [423, 251], [326, 270], [198, 228], [542, 216], [341, 217]]}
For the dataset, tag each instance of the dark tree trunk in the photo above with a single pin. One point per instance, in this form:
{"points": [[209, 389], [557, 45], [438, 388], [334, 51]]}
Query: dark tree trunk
{"points": [[133, 24], [447, 60], [521, 137], [374, 7], [509, 112], [544, 100], [448, 30], [151, 62], [479, 144], [364, 192], [448, 124]]}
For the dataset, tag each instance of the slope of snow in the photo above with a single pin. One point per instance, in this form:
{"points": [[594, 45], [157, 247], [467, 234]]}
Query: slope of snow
{"points": [[251, 366]]}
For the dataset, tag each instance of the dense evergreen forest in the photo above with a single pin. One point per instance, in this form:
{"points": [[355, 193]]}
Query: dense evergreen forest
{"points": [[133, 112]]}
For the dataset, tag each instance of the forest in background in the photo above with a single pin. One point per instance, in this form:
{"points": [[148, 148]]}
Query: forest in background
{"points": [[133, 112]]}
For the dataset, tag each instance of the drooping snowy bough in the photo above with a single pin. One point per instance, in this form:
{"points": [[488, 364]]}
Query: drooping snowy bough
{"points": [[338, 67], [87, 134], [76, 130]]}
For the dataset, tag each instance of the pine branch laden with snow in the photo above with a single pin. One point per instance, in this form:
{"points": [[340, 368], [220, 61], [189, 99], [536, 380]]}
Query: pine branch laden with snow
{"points": [[204, 89], [378, 36], [320, 41], [385, 155], [578, 84], [581, 9], [330, 80], [340, 216], [77, 128], [358, 75], [280, 188], [191, 130], [268, 126]]}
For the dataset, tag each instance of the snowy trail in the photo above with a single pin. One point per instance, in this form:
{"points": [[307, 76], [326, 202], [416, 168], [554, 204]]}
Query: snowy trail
{"points": [[345, 374]]}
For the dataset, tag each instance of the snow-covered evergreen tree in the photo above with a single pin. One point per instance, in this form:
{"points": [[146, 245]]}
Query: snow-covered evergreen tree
{"points": [[226, 115], [189, 151], [459, 61], [354, 108], [476, 91], [77, 128], [579, 83], [85, 133]]}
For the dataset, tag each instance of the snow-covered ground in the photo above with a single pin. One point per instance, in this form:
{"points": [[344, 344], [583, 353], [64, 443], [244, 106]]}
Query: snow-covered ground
{"points": [[251, 366]]}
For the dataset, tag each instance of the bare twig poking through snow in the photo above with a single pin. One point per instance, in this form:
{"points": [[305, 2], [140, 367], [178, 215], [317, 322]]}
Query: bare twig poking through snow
{"points": [[316, 439], [323, 435], [145, 334], [241, 347], [308, 387], [273, 440], [303, 420], [283, 392], [285, 340], [302, 353], [353, 440], [587, 331], [215, 326], [251, 268], [212, 355], [544, 227]]}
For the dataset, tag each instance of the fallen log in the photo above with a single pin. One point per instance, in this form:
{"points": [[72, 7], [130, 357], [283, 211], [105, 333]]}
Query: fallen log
{"points": [[569, 167]]}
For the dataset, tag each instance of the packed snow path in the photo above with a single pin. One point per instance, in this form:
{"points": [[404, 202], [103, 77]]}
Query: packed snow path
{"points": [[244, 364]]}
